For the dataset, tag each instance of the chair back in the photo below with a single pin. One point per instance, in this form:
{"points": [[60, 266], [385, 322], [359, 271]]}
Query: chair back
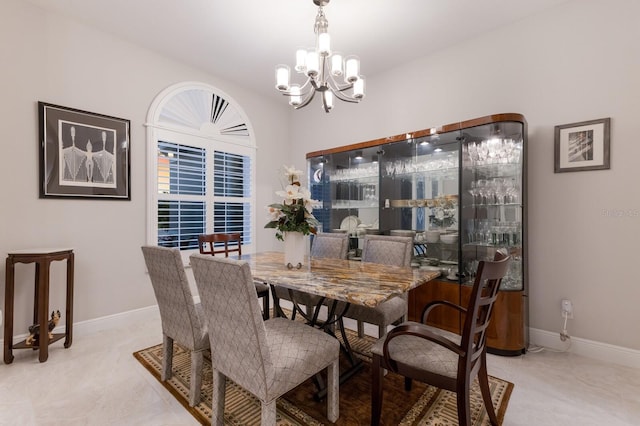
{"points": [[231, 243], [234, 320], [396, 251], [483, 295], [332, 246], [173, 294]]}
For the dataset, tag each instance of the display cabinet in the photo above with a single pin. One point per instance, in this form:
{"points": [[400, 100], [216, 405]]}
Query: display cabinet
{"points": [[459, 190]]}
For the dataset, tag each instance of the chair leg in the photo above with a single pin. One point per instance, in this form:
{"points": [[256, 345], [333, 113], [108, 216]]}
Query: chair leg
{"points": [[333, 391], [196, 377], [265, 306], [463, 401], [483, 381], [167, 357], [217, 398], [268, 414], [376, 390], [407, 383]]}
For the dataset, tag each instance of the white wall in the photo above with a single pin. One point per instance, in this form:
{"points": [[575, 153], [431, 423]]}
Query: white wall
{"points": [[52, 59], [577, 62]]}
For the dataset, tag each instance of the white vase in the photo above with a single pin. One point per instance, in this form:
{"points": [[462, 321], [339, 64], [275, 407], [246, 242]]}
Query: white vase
{"points": [[294, 249]]}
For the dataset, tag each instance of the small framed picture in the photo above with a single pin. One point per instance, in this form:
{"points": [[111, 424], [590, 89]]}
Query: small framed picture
{"points": [[83, 154], [582, 146]]}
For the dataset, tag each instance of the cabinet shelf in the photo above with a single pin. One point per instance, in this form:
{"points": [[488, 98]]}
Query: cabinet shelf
{"points": [[485, 205], [359, 179], [355, 206]]}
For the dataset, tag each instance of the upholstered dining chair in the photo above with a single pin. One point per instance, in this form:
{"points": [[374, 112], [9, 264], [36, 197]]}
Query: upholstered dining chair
{"points": [[440, 358], [324, 245], [266, 358], [389, 251], [181, 318], [232, 243]]}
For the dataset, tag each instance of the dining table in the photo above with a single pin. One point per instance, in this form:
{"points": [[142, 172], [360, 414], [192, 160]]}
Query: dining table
{"points": [[339, 283]]}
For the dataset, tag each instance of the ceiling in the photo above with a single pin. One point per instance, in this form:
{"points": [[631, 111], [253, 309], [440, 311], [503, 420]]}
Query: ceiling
{"points": [[243, 40]]}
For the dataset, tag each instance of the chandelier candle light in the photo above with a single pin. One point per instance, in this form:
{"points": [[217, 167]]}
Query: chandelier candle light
{"points": [[323, 70]]}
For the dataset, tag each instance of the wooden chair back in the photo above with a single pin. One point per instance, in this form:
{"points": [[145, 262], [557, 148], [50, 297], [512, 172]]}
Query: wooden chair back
{"points": [[231, 243], [484, 293]]}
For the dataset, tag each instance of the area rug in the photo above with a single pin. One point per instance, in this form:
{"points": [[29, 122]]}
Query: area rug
{"points": [[423, 405]]}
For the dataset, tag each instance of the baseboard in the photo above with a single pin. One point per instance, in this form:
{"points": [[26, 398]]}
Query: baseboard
{"points": [[587, 348], [83, 328], [115, 320]]}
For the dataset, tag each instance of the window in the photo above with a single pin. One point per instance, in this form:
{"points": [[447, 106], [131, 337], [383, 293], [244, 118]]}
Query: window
{"points": [[202, 158]]}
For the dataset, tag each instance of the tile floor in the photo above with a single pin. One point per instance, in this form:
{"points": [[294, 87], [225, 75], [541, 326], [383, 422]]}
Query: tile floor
{"points": [[98, 382]]}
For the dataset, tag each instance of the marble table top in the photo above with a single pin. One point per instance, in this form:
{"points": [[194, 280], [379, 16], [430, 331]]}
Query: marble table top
{"points": [[360, 283]]}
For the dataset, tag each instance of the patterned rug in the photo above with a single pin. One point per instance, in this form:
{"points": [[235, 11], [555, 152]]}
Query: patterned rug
{"points": [[423, 405]]}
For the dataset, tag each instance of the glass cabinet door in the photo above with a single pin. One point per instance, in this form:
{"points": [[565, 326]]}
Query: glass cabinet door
{"points": [[420, 184], [348, 183], [492, 197]]}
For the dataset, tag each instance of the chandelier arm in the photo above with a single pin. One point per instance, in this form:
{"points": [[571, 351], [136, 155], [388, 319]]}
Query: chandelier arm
{"points": [[304, 89], [338, 91], [314, 84], [344, 97], [324, 105], [336, 87], [307, 100]]}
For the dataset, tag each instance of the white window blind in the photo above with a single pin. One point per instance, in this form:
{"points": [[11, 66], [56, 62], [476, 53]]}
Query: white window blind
{"points": [[232, 190], [183, 195]]}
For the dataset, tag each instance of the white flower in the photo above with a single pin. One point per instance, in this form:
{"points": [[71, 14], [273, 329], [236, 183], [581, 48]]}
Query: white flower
{"points": [[310, 204], [294, 213], [274, 213], [292, 174], [291, 193]]}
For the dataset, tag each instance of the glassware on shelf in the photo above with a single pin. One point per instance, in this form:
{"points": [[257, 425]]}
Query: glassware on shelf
{"points": [[494, 151]]}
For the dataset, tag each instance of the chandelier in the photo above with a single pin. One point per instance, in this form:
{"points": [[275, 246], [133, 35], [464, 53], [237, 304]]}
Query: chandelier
{"points": [[327, 73]]}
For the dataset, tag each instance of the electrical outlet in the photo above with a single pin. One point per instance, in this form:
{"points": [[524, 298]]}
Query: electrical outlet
{"points": [[567, 308]]}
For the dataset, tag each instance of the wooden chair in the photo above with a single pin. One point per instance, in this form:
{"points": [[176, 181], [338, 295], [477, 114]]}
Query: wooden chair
{"points": [[232, 243], [446, 360], [266, 358], [387, 250], [181, 318]]}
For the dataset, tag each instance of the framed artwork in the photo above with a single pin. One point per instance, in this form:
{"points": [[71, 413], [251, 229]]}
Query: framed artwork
{"points": [[582, 146], [83, 154]]}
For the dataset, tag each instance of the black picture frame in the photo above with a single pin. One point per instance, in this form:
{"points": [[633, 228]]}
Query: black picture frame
{"points": [[83, 154], [583, 146]]}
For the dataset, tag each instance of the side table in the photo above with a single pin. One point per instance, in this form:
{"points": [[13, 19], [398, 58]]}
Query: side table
{"points": [[42, 258]]}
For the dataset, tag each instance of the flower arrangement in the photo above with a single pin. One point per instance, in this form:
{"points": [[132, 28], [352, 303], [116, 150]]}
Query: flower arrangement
{"points": [[294, 213], [443, 215]]}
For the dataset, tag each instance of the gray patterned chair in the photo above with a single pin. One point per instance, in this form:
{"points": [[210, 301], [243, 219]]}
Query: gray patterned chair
{"points": [[325, 245], [389, 251], [267, 358], [181, 318], [440, 358]]}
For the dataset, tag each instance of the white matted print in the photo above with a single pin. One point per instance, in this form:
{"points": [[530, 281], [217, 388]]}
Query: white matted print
{"points": [[582, 146]]}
